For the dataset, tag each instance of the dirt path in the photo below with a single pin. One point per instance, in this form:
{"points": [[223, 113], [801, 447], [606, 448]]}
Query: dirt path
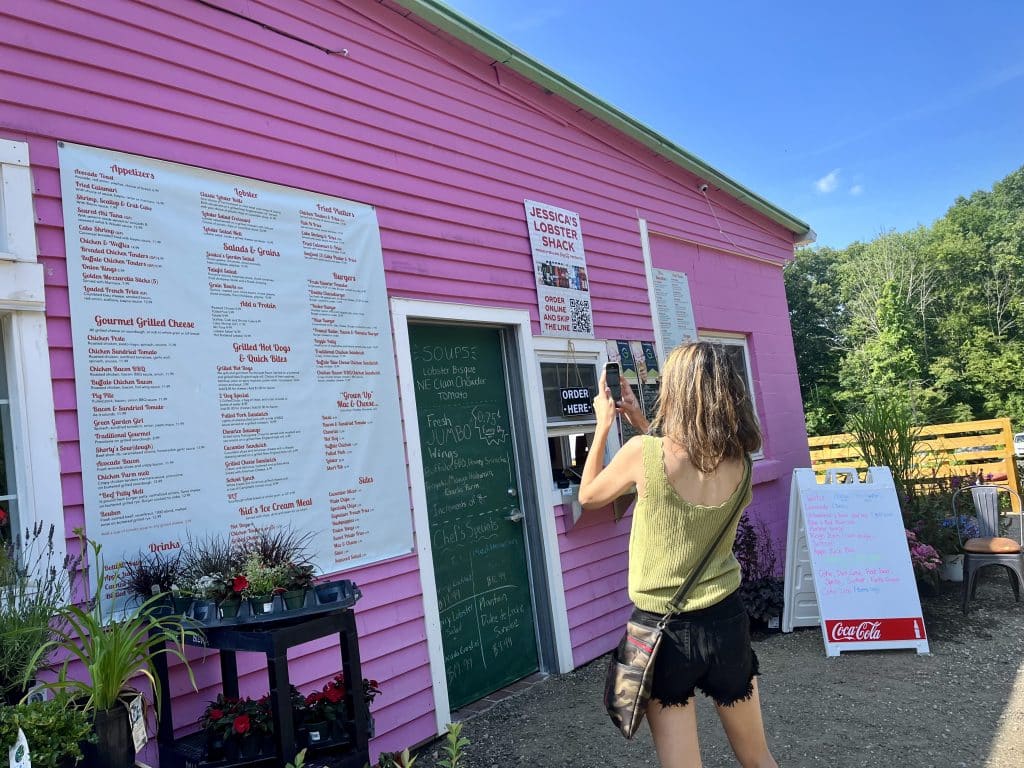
{"points": [[963, 705]]}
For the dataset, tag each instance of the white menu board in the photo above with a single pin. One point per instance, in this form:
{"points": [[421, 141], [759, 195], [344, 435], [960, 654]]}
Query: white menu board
{"points": [[848, 564], [560, 267], [674, 309], [233, 361]]}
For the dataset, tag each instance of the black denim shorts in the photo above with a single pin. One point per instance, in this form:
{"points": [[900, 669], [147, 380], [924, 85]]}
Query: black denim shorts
{"points": [[707, 649]]}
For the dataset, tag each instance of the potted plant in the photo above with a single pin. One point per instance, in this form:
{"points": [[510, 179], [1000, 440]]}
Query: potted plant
{"points": [[151, 573], [232, 601], [761, 589], [327, 712], [264, 580], [55, 730], [208, 567], [280, 545], [298, 578], [208, 591], [111, 652], [34, 584], [926, 562], [249, 725], [181, 597], [217, 721]]}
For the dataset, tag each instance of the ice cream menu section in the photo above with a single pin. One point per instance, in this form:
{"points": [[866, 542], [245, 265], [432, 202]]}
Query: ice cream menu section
{"points": [[233, 360]]}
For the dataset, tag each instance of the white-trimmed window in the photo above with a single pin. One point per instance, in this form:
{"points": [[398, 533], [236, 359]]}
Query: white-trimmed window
{"points": [[570, 365], [30, 467], [736, 346]]}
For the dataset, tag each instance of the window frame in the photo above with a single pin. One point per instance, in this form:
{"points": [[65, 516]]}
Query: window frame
{"points": [[37, 478], [548, 349], [741, 341]]}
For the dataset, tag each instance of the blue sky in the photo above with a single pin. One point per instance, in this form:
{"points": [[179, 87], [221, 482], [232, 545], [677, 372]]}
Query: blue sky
{"points": [[856, 117]]}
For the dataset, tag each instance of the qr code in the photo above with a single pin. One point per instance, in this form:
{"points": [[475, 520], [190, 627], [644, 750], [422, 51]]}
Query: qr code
{"points": [[579, 311]]}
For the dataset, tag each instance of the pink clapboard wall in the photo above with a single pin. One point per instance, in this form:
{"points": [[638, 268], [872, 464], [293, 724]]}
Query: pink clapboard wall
{"points": [[446, 145]]}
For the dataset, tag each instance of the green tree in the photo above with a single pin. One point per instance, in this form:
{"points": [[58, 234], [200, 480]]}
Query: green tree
{"points": [[936, 314], [817, 318]]}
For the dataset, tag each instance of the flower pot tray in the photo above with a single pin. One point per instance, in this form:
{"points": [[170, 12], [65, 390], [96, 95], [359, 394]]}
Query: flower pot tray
{"points": [[189, 752], [319, 600]]}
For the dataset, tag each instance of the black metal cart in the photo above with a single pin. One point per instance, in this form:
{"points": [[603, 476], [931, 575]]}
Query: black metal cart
{"points": [[272, 635]]}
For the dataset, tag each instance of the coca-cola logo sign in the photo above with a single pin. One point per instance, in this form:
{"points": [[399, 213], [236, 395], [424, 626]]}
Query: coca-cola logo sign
{"points": [[874, 630], [863, 630]]}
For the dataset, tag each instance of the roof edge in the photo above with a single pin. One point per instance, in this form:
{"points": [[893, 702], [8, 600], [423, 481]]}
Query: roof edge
{"points": [[469, 32]]}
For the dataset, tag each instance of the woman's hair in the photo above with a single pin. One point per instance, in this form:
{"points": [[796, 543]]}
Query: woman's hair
{"points": [[704, 406]]}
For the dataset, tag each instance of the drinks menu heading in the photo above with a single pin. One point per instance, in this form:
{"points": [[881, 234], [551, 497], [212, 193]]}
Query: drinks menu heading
{"points": [[233, 361]]}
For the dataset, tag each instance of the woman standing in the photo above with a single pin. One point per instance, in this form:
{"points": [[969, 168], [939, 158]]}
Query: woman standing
{"points": [[690, 481]]}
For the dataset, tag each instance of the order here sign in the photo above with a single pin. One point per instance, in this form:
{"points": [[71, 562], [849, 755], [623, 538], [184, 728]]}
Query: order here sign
{"points": [[576, 401]]}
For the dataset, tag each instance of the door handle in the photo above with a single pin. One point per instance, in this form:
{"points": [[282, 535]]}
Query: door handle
{"points": [[515, 517], [513, 492]]}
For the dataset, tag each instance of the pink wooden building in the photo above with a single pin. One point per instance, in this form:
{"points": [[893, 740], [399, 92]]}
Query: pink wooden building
{"points": [[445, 130]]}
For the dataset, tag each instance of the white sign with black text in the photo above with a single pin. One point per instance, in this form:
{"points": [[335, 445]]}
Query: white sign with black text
{"points": [[560, 267], [674, 310], [233, 361]]}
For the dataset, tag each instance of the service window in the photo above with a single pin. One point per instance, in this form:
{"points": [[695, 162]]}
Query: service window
{"points": [[569, 374]]}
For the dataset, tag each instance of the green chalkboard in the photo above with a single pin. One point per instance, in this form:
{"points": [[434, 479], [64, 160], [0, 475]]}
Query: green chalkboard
{"points": [[480, 565]]}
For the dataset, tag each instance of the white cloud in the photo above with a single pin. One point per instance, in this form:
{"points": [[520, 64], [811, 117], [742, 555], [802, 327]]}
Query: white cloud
{"points": [[857, 189], [828, 182]]}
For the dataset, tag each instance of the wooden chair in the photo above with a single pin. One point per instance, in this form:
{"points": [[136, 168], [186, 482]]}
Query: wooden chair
{"points": [[989, 548]]}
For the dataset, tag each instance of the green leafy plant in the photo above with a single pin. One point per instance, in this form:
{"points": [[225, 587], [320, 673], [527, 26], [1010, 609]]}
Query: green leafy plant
{"points": [[887, 436], [297, 576], [263, 578], [329, 704], [55, 730], [299, 762], [454, 747], [34, 584], [112, 650]]}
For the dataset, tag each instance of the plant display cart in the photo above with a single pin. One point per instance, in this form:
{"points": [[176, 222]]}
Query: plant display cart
{"points": [[273, 634]]}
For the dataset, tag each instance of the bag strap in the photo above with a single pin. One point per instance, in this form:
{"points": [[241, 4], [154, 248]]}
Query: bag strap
{"points": [[684, 589]]}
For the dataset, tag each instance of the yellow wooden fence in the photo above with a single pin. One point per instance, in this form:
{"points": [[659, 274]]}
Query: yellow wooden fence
{"points": [[945, 450]]}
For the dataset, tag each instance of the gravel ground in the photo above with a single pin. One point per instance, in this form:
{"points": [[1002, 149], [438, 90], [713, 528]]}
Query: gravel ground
{"points": [[962, 705]]}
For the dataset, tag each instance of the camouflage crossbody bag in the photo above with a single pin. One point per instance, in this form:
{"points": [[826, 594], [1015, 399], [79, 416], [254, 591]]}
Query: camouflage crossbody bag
{"points": [[627, 686]]}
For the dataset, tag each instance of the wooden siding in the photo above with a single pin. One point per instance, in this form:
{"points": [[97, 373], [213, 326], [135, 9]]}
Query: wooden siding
{"points": [[446, 144]]}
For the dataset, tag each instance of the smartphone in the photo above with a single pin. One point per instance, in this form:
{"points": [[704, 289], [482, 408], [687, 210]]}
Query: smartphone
{"points": [[612, 379]]}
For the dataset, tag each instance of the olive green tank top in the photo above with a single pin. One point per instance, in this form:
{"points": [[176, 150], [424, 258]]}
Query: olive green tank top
{"points": [[670, 536]]}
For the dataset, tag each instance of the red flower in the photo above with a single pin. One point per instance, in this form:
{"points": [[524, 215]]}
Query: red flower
{"points": [[239, 583], [334, 695], [3, 516], [241, 724], [216, 714]]}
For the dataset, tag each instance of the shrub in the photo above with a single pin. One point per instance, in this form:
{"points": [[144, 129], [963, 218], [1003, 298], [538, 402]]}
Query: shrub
{"points": [[54, 730]]}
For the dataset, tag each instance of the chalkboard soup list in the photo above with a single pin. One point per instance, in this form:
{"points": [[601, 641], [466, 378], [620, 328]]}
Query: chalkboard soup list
{"points": [[476, 528]]}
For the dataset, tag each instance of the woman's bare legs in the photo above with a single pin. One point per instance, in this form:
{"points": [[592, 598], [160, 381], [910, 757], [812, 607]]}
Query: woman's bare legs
{"points": [[745, 729], [675, 734]]}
